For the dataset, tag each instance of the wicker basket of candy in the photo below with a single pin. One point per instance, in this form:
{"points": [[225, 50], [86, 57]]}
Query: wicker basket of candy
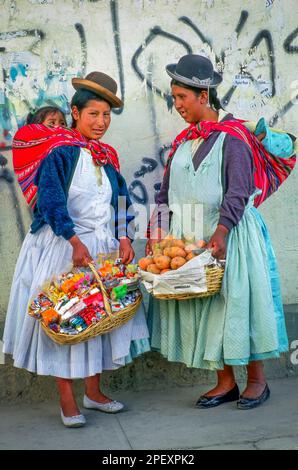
{"points": [[178, 270], [82, 303]]}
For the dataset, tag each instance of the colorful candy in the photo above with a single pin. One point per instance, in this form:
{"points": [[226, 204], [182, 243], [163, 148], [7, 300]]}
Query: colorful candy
{"points": [[50, 316], [73, 301]]}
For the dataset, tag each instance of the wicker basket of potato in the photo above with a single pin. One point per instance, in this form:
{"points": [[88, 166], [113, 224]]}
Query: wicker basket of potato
{"points": [[181, 271]]}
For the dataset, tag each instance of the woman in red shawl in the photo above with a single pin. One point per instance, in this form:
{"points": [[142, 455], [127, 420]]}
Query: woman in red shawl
{"points": [[218, 166]]}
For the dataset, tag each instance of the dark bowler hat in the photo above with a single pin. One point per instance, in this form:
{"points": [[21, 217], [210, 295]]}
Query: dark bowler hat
{"points": [[102, 85], [194, 70]]}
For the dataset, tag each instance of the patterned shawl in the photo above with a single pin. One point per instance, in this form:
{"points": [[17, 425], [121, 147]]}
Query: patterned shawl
{"points": [[32, 143], [270, 171]]}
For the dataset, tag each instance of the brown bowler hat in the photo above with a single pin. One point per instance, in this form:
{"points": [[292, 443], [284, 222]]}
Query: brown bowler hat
{"points": [[102, 85]]}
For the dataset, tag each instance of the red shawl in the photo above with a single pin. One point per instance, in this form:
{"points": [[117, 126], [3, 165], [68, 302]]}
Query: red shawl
{"points": [[32, 143], [270, 171]]}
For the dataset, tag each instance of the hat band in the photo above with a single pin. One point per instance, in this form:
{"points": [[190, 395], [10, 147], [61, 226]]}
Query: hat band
{"points": [[205, 81], [194, 80]]}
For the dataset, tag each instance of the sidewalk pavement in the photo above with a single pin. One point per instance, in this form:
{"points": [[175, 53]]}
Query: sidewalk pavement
{"points": [[159, 420]]}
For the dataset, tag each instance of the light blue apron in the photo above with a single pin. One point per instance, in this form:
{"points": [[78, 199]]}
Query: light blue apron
{"points": [[246, 321]]}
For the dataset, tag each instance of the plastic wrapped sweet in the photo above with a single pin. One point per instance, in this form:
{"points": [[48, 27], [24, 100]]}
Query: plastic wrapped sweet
{"points": [[75, 300], [69, 302]]}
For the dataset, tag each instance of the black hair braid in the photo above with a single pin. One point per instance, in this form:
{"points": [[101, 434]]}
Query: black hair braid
{"points": [[214, 100]]}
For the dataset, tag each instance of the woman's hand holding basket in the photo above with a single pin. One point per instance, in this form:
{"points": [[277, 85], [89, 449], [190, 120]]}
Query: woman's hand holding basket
{"points": [[80, 255]]}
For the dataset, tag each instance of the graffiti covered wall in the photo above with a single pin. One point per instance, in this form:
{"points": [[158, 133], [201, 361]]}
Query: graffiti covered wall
{"points": [[44, 43]]}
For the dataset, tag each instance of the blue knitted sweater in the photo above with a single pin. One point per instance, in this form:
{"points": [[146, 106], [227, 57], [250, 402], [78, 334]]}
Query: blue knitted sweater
{"points": [[53, 181]]}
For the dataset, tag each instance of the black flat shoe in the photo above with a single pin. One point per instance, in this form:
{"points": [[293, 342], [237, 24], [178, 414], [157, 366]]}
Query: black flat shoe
{"points": [[249, 403], [216, 400]]}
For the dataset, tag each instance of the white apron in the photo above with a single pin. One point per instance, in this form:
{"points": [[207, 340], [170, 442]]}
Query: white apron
{"points": [[44, 254]]}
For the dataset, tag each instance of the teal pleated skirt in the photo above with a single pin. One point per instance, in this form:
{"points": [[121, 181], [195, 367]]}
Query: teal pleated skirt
{"points": [[244, 323]]}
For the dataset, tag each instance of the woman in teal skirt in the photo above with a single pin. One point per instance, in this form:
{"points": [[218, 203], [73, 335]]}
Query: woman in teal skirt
{"points": [[244, 324]]}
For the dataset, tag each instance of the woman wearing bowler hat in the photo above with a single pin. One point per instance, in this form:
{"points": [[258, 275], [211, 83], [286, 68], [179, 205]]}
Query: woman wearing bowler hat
{"points": [[73, 181], [211, 165]]}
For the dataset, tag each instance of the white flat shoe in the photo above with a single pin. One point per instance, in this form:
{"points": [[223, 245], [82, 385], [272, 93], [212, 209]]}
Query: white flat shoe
{"points": [[76, 421], [110, 407]]}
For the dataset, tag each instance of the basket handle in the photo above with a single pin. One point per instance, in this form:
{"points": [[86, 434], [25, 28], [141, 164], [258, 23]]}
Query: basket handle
{"points": [[103, 290]]}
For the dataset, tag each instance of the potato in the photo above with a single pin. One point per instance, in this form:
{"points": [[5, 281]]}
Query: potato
{"points": [[178, 243], [176, 251], [177, 262], [155, 257], [190, 256], [144, 263], [167, 251], [157, 253], [201, 243], [162, 262], [152, 268], [156, 249], [165, 243], [165, 271]]}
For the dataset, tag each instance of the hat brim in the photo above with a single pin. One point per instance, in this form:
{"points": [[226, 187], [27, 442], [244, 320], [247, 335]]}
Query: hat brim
{"points": [[99, 90], [171, 71]]}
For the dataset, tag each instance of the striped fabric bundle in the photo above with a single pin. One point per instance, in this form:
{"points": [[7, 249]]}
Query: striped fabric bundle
{"points": [[270, 171], [34, 142]]}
